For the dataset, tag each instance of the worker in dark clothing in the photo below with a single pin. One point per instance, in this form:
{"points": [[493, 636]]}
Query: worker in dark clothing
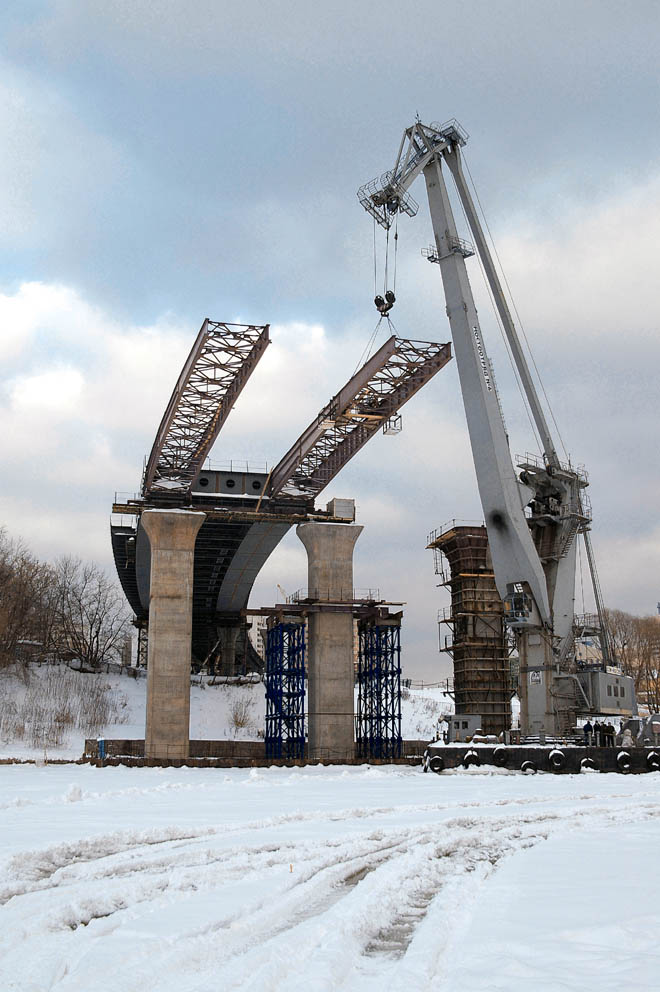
{"points": [[598, 733], [588, 732], [611, 735]]}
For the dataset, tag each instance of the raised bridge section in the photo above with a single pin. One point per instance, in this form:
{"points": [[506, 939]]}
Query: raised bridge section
{"points": [[221, 361], [248, 513]]}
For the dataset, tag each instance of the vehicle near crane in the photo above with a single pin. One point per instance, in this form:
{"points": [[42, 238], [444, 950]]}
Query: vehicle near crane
{"points": [[533, 510]]}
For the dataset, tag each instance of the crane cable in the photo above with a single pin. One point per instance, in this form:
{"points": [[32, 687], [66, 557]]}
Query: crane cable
{"points": [[374, 334], [515, 308], [387, 258], [396, 247], [366, 354]]}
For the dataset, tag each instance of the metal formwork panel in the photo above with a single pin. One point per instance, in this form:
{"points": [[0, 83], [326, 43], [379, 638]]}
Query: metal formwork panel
{"points": [[285, 691], [379, 691]]}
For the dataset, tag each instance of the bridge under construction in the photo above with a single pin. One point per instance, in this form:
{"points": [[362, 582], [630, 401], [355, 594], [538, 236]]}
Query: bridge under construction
{"points": [[188, 559], [247, 513]]}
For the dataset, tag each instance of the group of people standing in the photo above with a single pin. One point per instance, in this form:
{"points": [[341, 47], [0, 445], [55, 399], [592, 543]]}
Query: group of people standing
{"points": [[600, 734]]}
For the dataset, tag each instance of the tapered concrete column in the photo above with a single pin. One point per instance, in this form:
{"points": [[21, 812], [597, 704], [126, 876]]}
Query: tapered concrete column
{"points": [[172, 536], [226, 664], [330, 653]]}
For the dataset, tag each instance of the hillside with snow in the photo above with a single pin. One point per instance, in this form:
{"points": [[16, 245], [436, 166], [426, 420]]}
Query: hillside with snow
{"points": [[51, 709]]}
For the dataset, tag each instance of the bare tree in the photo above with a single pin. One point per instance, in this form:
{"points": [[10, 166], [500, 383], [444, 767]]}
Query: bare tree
{"points": [[637, 645], [25, 588], [90, 614], [648, 653], [623, 630]]}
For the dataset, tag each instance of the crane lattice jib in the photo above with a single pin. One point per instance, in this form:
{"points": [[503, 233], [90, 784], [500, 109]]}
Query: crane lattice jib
{"points": [[220, 363], [387, 196], [375, 393]]}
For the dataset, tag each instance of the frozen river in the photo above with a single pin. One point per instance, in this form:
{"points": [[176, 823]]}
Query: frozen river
{"points": [[316, 879]]}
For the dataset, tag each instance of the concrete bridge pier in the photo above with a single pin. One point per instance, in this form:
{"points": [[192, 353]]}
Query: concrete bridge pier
{"points": [[331, 705], [226, 660], [172, 535]]}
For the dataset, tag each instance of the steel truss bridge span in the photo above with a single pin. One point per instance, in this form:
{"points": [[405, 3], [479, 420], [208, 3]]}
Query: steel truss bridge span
{"points": [[249, 513], [368, 400], [221, 361]]}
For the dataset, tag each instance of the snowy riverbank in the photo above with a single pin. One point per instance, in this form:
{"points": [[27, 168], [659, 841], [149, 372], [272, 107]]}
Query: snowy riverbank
{"points": [[42, 709]]}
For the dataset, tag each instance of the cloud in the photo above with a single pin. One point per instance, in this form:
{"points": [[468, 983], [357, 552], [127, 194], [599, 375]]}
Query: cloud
{"points": [[57, 391]]}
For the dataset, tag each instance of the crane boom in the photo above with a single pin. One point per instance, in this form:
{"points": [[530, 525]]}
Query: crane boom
{"points": [[420, 145], [532, 520]]}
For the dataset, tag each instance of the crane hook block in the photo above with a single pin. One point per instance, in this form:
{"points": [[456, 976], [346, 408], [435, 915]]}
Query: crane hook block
{"points": [[385, 305]]}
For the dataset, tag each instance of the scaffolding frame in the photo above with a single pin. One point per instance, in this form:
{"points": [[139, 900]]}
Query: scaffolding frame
{"points": [[378, 722], [142, 643], [285, 690], [479, 645]]}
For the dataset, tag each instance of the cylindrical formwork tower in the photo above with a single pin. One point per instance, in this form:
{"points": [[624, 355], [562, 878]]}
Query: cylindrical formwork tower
{"points": [[482, 682]]}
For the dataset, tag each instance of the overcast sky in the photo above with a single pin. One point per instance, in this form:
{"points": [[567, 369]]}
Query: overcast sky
{"points": [[166, 161]]}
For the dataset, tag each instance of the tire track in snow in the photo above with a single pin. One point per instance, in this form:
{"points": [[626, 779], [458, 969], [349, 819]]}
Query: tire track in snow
{"points": [[361, 899], [354, 903]]}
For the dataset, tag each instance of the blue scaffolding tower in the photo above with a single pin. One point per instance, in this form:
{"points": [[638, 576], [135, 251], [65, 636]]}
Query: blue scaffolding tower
{"points": [[285, 690], [378, 729]]}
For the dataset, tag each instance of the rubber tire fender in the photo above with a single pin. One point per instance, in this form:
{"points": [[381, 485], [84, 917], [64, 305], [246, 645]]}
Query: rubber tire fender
{"points": [[500, 755], [528, 766], [436, 764], [623, 762], [653, 761], [471, 758], [557, 760], [588, 763]]}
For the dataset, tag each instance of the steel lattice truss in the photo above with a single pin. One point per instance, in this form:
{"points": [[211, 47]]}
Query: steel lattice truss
{"points": [[222, 360], [374, 394]]}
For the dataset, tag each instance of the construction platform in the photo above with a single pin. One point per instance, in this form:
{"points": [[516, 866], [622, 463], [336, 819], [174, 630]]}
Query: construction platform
{"points": [[230, 754], [566, 759]]}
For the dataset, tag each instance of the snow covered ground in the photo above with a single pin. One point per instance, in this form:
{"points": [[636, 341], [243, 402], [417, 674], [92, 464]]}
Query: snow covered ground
{"points": [[315, 879], [174, 880]]}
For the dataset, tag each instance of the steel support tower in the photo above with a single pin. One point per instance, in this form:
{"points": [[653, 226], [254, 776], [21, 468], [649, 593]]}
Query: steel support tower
{"points": [[378, 723], [285, 690]]}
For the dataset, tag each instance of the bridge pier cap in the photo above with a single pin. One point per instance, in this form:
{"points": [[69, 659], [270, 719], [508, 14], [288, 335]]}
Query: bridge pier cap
{"points": [[172, 530], [329, 559], [172, 535]]}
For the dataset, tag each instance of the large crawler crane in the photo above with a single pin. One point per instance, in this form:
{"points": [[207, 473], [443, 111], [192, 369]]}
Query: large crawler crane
{"points": [[532, 513]]}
